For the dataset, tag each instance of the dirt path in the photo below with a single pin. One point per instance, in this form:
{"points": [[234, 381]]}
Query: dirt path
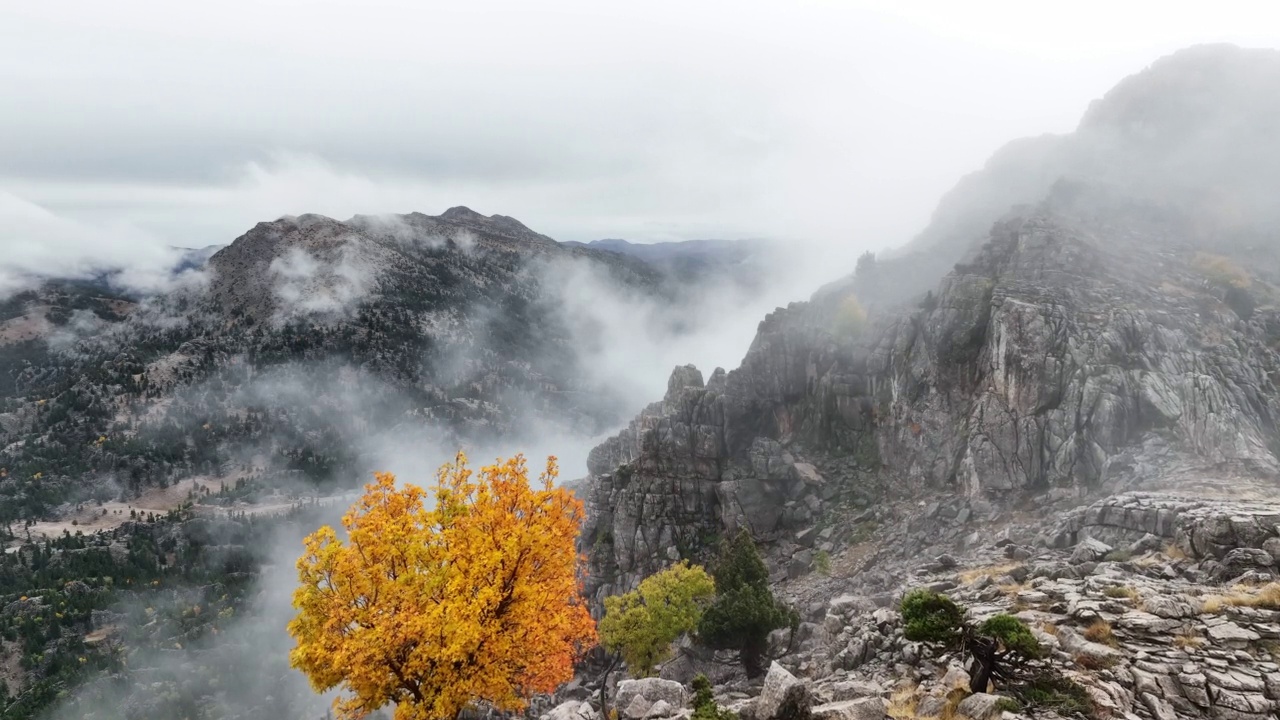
{"points": [[93, 518]]}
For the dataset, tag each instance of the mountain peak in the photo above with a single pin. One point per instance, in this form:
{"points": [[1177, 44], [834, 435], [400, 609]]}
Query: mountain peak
{"points": [[1182, 92], [462, 213]]}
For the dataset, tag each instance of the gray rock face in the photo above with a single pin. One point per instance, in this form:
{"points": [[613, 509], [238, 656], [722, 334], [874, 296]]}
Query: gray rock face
{"points": [[979, 706], [1223, 524], [1052, 361], [783, 697], [572, 710], [649, 691], [637, 709], [1090, 550], [1077, 426], [869, 708]]}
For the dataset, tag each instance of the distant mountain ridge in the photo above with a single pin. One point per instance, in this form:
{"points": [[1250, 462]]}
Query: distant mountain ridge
{"points": [[1194, 130], [300, 340], [689, 260]]}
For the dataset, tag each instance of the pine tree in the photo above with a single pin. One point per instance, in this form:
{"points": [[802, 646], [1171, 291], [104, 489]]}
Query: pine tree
{"points": [[744, 611]]}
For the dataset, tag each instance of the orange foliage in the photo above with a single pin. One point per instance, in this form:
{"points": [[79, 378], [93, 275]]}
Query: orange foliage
{"points": [[476, 599]]}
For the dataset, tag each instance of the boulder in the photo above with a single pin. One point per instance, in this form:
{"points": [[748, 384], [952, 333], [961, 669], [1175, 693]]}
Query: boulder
{"points": [[1089, 550], [636, 709], [846, 690], [1244, 559], [1272, 546], [651, 690], [1167, 606], [660, 709], [980, 706], [572, 710], [867, 708], [783, 697], [1232, 635], [1076, 644], [931, 706]]}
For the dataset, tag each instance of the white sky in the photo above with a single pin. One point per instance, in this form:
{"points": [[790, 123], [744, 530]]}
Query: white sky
{"points": [[839, 123]]}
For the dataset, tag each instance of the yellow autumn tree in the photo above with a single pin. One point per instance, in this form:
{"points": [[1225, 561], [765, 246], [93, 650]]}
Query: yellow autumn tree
{"points": [[477, 598], [642, 624]]}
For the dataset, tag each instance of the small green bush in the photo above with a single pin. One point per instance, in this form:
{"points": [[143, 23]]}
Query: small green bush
{"points": [[931, 617], [1008, 704], [1056, 692], [704, 702], [1117, 556], [822, 562], [1012, 633]]}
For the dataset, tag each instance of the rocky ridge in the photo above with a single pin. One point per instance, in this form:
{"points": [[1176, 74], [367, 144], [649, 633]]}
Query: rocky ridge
{"points": [[1078, 422], [417, 329]]}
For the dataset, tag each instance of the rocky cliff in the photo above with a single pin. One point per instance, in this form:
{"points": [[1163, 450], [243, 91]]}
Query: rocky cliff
{"points": [[1097, 339]]}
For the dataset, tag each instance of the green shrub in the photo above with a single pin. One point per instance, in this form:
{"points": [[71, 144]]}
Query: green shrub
{"points": [[822, 562], [1055, 692], [931, 617], [704, 702], [1008, 704], [1012, 633], [1117, 556]]}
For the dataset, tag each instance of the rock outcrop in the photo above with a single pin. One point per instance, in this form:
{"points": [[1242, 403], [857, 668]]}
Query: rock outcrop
{"points": [[1065, 357], [1076, 425]]}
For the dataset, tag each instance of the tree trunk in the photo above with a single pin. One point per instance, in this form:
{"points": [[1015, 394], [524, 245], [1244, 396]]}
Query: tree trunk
{"points": [[984, 663], [752, 657], [604, 687]]}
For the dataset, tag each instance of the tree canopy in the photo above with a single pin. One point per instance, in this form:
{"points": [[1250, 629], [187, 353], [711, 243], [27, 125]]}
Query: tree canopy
{"points": [[642, 624], [477, 598], [744, 611], [999, 646]]}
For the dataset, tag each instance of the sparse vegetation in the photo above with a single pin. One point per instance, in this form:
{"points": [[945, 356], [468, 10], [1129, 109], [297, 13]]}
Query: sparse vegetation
{"points": [[903, 703], [1221, 270], [1095, 662], [1120, 592], [999, 646], [1118, 556], [865, 530], [1266, 597], [850, 318], [1008, 704], [972, 575], [1100, 631], [1188, 639], [822, 562], [704, 702], [1055, 692], [1011, 590]]}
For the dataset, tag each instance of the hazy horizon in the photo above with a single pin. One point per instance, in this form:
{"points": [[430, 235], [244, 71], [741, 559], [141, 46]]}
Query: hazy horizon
{"points": [[837, 125]]}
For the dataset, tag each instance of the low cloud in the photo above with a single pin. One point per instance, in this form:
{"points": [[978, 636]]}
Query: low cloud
{"points": [[39, 244], [306, 285]]}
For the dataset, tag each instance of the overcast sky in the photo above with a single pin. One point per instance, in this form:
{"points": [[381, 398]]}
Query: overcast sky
{"points": [[129, 123]]}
